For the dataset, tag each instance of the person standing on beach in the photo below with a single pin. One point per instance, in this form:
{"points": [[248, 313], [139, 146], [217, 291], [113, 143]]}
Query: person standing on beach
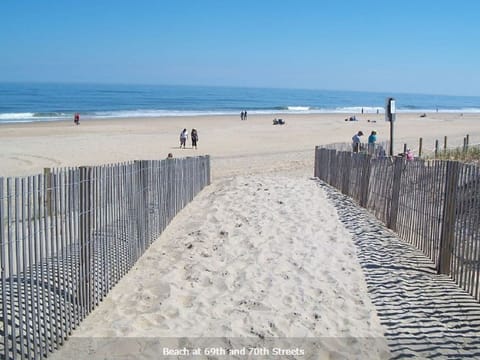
{"points": [[356, 142], [76, 119], [372, 139], [241, 115], [194, 137], [183, 138], [245, 115]]}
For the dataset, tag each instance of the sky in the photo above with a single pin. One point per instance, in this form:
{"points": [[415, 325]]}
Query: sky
{"points": [[413, 46]]}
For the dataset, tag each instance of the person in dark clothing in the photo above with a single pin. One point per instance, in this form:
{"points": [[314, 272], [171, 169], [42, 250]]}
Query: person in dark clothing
{"points": [[194, 137]]}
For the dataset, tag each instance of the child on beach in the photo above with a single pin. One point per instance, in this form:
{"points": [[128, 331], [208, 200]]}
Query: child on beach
{"points": [[409, 154]]}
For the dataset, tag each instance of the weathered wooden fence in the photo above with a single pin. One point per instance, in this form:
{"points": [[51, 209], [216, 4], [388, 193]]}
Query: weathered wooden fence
{"points": [[69, 235], [434, 205]]}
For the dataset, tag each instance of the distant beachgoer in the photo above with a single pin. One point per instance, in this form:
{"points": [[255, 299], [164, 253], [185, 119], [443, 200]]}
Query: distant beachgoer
{"points": [[362, 110], [183, 138], [170, 156], [76, 119], [409, 154], [242, 115], [356, 141], [372, 139], [194, 137], [245, 115]]}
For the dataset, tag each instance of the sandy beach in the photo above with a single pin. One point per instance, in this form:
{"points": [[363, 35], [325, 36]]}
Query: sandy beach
{"points": [[260, 254], [236, 146]]}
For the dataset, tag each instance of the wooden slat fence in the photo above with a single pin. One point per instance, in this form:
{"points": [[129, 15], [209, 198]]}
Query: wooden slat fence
{"points": [[434, 205], [69, 235]]}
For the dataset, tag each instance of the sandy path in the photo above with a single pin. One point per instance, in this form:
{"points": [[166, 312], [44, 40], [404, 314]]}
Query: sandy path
{"points": [[268, 259]]}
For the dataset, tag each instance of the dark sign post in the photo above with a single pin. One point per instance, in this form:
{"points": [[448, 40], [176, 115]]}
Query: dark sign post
{"points": [[390, 116]]}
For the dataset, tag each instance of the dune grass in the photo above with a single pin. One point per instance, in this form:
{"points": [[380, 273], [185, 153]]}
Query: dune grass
{"points": [[471, 155]]}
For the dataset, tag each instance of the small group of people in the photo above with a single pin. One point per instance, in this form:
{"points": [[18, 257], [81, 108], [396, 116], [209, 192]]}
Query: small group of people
{"points": [[184, 138], [243, 115], [356, 142], [373, 149]]}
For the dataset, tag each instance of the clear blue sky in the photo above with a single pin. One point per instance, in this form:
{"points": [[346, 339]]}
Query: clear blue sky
{"points": [[425, 46]]}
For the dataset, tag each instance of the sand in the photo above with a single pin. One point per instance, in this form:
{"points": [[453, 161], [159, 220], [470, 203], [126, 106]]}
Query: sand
{"points": [[236, 146], [260, 255]]}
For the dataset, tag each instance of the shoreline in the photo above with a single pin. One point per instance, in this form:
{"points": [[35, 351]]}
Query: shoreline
{"points": [[252, 113]]}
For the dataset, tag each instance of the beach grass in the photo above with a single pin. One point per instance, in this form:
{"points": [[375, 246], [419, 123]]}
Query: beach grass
{"points": [[470, 155]]}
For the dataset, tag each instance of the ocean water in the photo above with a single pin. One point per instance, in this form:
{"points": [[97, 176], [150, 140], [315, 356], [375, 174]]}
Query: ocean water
{"points": [[28, 102]]}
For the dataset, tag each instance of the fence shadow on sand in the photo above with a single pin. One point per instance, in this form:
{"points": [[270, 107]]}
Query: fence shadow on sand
{"points": [[425, 315]]}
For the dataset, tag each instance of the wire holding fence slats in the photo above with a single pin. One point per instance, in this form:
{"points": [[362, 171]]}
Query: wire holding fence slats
{"points": [[434, 205], [69, 235]]}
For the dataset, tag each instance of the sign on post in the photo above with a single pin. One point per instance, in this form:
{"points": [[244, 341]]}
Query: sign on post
{"points": [[390, 111]]}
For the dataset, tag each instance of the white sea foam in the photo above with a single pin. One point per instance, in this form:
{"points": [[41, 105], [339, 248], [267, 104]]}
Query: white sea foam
{"points": [[298, 108], [16, 116]]}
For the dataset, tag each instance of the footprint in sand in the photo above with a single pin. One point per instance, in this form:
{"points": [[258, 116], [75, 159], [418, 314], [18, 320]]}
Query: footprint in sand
{"points": [[287, 300], [187, 301]]}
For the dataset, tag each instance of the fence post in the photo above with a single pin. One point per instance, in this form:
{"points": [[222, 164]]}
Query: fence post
{"points": [[420, 146], [141, 167], [3, 277], [444, 144], [436, 149], [331, 166], [465, 143], [208, 170], [47, 175], [85, 240], [448, 218], [365, 180], [346, 173], [315, 169], [396, 181]]}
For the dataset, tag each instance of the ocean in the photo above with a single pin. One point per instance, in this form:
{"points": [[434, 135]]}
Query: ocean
{"points": [[30, 102]]}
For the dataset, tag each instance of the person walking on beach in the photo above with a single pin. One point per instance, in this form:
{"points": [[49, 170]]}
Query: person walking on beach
{"points": [[245, 115], [194, 137], [372, 139], [356, 142], [242, 115], [183, 138], [76, 119]]}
